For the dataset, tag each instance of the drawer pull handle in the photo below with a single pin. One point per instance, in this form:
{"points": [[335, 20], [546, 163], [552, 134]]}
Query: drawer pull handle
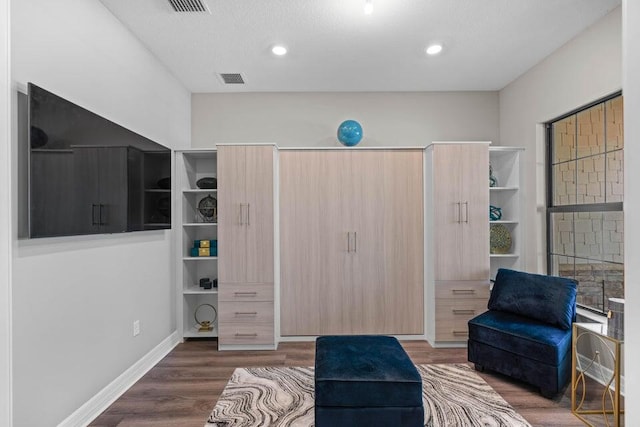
{"points": [[460, 333], [253, 335], [460, 311], [245, 294], [463, 291], [246, 313]]}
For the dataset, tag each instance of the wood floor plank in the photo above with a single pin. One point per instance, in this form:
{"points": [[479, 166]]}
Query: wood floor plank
{"points": [[182, 389]]}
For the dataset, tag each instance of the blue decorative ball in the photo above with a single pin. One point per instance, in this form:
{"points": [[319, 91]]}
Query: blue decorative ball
{"points": [[349, 133]]}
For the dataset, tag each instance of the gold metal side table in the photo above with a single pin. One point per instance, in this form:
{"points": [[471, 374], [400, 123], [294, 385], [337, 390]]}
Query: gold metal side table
{"points": [[598, 356]]}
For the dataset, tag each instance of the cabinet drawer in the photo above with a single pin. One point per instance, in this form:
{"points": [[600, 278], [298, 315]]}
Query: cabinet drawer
{"points": [[450, 289], [245, 293], [247, 312], [452, 330], [459, 309], [245, 334]]}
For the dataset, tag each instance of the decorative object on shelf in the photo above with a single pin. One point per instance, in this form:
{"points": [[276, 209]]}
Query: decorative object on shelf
{"points": [[495, 213], [205, 243], [204, 248], [164, 183], [208, 182], [493, 181], [207, 209], [163, 206], [206, 325], [349, 133], [615, 318], [499, 239], [207, 283]]}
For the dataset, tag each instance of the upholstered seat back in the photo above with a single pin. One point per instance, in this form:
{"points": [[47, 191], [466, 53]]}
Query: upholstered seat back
{"points": [[548, 299]]}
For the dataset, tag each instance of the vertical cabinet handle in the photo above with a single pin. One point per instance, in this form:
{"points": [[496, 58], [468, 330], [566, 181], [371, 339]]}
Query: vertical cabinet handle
{"points": [[466, 212], [459, 219], [242, 215], [355, 241], [103, 221]]}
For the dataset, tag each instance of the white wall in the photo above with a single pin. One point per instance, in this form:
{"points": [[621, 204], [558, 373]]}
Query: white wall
{"points": [[312, 119], [583, 70], [592, 65], [631, 88], [5, 220], [75, 298]]}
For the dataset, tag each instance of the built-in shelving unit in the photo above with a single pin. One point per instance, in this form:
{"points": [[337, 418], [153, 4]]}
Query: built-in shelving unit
{"points": [[192, 165], [508, 196]]}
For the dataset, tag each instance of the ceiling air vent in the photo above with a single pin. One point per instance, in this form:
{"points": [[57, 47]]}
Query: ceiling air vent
{"points": [[232, 78], [189, 6]]}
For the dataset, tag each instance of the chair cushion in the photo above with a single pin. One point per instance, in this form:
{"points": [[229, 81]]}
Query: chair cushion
{"points": [[365, 371], [526, 337], [549, 299]]}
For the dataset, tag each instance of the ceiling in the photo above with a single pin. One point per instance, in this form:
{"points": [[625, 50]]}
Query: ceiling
{"points": [[333, 46]]}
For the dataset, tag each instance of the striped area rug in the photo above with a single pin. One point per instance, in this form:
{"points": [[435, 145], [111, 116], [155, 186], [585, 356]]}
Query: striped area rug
{"points": [[453, 395]]}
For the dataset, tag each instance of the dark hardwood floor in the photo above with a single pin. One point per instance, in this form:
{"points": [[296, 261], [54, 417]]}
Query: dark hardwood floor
{"points": [[183, 388]]}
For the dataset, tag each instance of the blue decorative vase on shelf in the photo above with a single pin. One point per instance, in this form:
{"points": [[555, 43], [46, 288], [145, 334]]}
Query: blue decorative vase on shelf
{"points": [[349, 133], [495, 213]]}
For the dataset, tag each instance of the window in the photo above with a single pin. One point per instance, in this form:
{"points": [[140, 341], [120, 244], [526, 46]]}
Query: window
{"points": [[585, 226]]}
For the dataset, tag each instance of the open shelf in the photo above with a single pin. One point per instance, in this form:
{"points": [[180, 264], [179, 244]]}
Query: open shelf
{"points": [[197, 290], [507, 195], [192, 165], [200, 190]]}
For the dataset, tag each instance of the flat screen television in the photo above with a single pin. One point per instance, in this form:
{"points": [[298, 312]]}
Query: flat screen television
{"points": [[88, 175]]}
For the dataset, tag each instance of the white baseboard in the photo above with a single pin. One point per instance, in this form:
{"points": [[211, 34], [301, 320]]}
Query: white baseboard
{"points": [[234, 347], [105, 397], [305, 338]]}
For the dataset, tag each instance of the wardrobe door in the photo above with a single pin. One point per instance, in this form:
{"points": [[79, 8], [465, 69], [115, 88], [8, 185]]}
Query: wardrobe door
{"points": [[402, 218], [232, 214], [314, 240], [363, 302], [259, 214], [474, 163], [449, 263]]}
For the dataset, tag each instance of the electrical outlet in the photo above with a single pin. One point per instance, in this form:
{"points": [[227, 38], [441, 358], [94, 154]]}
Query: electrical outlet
{"points": [[136, 327]]}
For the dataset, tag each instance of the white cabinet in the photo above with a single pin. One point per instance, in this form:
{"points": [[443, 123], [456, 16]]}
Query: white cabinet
{"points": [[459, 174], [192, 225], [457, 250], [246, 231], [507, 195], [351, 242]]}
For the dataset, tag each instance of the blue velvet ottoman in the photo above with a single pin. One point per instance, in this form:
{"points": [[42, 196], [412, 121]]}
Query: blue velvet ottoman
{"points": [[366, 380]]}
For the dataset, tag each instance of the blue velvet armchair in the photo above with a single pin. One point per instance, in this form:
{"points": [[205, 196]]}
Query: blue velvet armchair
{"points": [[526, 334]]}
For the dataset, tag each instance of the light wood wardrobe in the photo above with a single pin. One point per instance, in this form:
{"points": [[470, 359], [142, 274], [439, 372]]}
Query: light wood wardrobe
{"points": [[246, 245], [457, 197], [351, 241]]}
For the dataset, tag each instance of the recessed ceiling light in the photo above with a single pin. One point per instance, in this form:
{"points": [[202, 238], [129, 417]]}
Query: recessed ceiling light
{"points": [[368, 7], [279, 50], [434, 49]]}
